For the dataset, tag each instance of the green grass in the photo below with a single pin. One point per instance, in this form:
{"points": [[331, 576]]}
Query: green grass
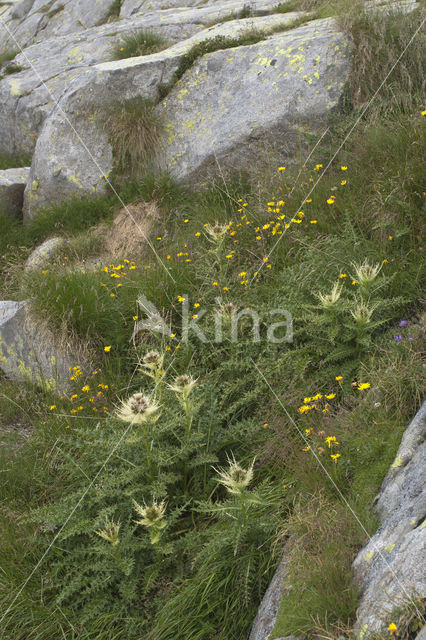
{"points": [[8, 55], [14, 161], [141, 43], [115, 9], [218, 552]]}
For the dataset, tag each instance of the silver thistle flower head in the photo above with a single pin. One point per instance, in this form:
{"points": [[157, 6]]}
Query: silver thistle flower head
{"points": [[151, 516], [110, 532], [228, 309], [216, 232], [152, 360], [137, 409], [330, 299], [183, 384], [362, 314], [366, 273], [235, 478]]}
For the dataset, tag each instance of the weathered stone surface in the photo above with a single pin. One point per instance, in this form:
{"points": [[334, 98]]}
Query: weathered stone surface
{"points": [[390, 568], [388, 6], [51, 64], [28, 350], [12, 186], [225, 105], [35, 20], [226, 7], [48, 67], [232, 102], [422, 634], [42, 255], [268, 609]]}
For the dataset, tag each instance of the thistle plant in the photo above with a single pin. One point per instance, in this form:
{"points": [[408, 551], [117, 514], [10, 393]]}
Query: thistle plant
{"points": [[152, 366], [182, 386], [365, 275], [216, 234], [140, 410], [137, 409], [110, 532], [329, 300], [152, 517], [235, 479]]}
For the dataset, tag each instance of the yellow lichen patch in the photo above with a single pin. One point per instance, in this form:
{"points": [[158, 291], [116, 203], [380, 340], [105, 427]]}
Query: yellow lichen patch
{"points": [[397, 463], [15, 87], [75, 56], [390, 548], [368, 556], [75, 179]]}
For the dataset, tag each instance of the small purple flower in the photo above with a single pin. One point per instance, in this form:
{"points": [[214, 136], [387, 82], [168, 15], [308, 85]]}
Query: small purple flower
{"points": [[402, 323], [398, 338]]}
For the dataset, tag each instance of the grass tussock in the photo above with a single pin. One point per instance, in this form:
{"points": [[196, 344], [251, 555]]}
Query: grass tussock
{"points": [[134, 129], [141, 43], [208, 472]]}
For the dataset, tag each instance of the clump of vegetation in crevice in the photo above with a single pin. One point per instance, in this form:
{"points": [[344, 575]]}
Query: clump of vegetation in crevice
{"points": [[55, 11], [140, 43], [7, 66], [8, 55], [115, 9], [210, 45], [134, 129]]}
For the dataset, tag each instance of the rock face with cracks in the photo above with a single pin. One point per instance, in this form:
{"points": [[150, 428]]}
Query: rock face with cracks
{"points": [[74, 39], [390, 568], [12, 186], [227, 107], [29, 351]]}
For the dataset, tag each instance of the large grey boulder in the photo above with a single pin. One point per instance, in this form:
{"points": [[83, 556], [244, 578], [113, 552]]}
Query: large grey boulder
{"points": [[29, 351], [268, 609], [12, 186], [43, 255], [234, 104], [49, 67], [390, 568], [31, 21], [227, 106]]}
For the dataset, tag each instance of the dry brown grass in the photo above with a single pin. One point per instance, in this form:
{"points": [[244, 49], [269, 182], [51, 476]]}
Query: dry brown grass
{"points": [[130, 229]]}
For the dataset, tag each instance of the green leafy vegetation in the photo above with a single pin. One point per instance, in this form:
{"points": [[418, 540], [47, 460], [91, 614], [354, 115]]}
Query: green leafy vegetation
{"points": [[8, 55], [14, 161], [169, 477], [140, 43], [115, 8]]}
